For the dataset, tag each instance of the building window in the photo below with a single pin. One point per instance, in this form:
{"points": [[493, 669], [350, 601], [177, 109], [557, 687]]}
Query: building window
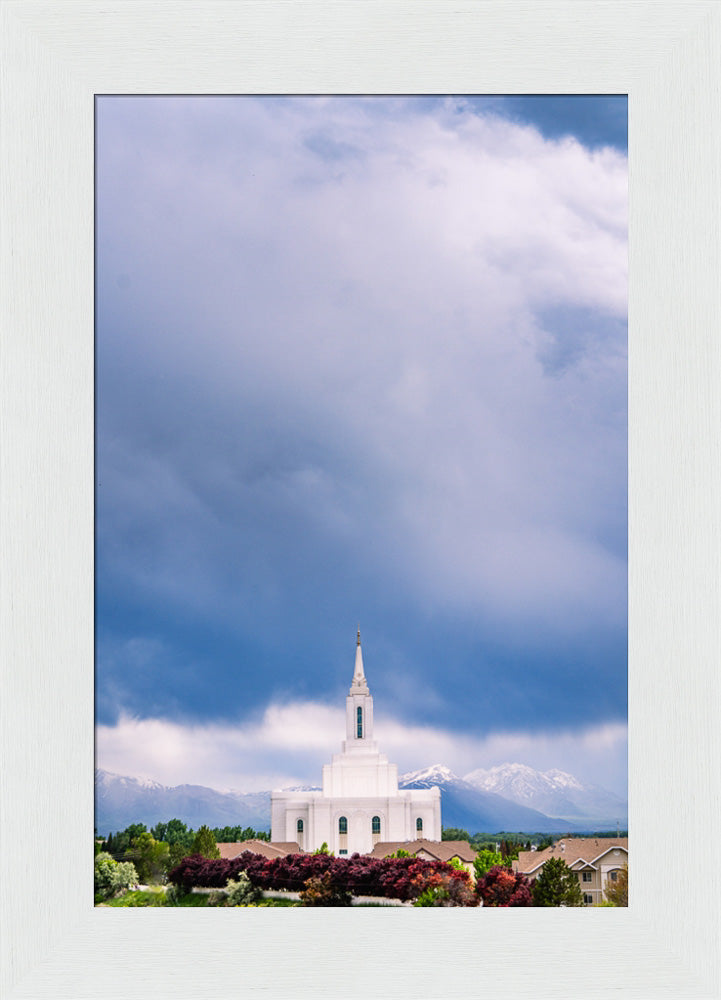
{"points": [[587, 898], [343, 825], [613, 876], [587, 876], [342, 851], [419, 825], [299, 826], [359, 723], [376, 824]]}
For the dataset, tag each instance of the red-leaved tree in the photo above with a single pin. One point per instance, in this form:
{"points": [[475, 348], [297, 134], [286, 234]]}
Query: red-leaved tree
{"points": [[396, 878], [502, 887]]}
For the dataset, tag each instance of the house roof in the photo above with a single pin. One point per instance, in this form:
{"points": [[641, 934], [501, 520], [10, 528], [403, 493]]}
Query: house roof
{"points": [[276, 849], [442, 850], [579, 851]]}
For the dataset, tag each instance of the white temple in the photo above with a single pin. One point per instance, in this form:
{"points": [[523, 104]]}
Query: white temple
{"points": [[360, 803]]}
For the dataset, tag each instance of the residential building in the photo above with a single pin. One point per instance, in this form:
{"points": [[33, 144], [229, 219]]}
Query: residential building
{"points": [[431, 850], [264, 847], [597, 862]]}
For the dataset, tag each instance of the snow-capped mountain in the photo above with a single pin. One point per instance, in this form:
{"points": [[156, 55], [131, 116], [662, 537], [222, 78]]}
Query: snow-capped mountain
{"points": [[120, 801], [555, 793], [511, 797], [476, 810]]}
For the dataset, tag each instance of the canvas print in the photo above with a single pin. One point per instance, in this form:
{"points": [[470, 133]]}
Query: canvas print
{"points": [[361, 501]]}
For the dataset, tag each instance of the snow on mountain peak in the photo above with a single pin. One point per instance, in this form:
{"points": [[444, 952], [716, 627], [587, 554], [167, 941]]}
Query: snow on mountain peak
{"points": [[437, 772]]}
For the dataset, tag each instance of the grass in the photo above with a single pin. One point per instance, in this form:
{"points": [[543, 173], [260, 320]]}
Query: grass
{"points": [[156, 897], [139, 897]]}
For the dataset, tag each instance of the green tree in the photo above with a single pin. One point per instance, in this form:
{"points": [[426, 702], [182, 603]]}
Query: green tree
{"points": [[454, 833], [484, 861], [510, 850], [123, 839], [176, 832], [557, 885], [617, 892], [151, 857], [204, 843], [176, 853]]}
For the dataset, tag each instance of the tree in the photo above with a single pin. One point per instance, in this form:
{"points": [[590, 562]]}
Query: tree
{"points": [[176, 853], [502, 887], [510, 849], [484, 861], [204, 843], [151, 857], [234, 834], [617, 892], [557, 885], [454, 833], [123, 839]]}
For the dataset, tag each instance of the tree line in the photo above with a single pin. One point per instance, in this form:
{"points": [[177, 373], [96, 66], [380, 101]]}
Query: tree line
{"points": [[154, 852]]}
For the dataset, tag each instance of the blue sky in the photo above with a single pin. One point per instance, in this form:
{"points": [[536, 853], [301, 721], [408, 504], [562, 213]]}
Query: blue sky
{"points": [[360, 360]]}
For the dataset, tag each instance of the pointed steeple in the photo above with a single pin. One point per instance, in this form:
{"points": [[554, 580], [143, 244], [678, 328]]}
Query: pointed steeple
{"points": [[359, 685]]}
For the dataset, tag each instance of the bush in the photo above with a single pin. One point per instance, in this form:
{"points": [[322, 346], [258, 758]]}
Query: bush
{"points": [[443, 890], [173, 895], [502, 887], [111, 877], [396, 878], [323, 891], [241, 891]]}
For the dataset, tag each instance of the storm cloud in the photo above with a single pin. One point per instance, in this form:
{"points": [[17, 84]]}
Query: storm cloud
{"points": [[359, 359]]}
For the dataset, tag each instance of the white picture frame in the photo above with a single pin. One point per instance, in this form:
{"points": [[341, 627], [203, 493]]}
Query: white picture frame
{"points": [[55, 57]]}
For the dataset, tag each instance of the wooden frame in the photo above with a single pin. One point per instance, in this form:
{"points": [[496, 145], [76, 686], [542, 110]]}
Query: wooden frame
{"points": [[55, 57]]}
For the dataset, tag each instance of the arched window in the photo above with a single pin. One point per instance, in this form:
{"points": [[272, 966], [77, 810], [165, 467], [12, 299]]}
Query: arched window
{"points": [[419, 825], [299, 826], [359, 727], [342, 825], [376, 824]]}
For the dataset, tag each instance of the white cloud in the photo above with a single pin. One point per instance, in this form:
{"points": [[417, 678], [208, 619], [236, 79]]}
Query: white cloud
{"points": [[289, 744]]}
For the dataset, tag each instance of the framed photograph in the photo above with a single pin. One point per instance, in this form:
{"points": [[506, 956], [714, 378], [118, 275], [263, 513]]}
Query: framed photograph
{"points": [[57, 58]]}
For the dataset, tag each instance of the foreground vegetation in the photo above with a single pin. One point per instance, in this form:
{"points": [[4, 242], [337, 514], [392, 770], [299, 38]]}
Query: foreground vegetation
{"points": [[169, 872]]}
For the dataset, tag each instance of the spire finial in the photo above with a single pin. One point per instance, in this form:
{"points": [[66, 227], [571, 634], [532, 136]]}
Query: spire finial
{"points": [[359, 682]]}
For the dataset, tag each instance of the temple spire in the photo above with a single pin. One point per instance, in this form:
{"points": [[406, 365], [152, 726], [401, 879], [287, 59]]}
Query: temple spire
{"points": [[359, 683]]}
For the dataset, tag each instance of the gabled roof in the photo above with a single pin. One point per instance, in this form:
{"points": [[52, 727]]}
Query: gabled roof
{"points": [[276, 849], [441, 850], [583, 851]]}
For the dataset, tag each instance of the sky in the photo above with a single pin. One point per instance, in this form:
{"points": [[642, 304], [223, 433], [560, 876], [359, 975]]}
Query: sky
{"points": [[360, 361]]}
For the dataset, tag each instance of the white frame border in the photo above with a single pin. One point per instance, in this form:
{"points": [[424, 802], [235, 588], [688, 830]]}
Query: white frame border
{"points": [[55, 57]]}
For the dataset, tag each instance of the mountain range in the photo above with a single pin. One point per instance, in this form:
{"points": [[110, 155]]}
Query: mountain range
{"points": [[555, 793], [511, 797]]}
